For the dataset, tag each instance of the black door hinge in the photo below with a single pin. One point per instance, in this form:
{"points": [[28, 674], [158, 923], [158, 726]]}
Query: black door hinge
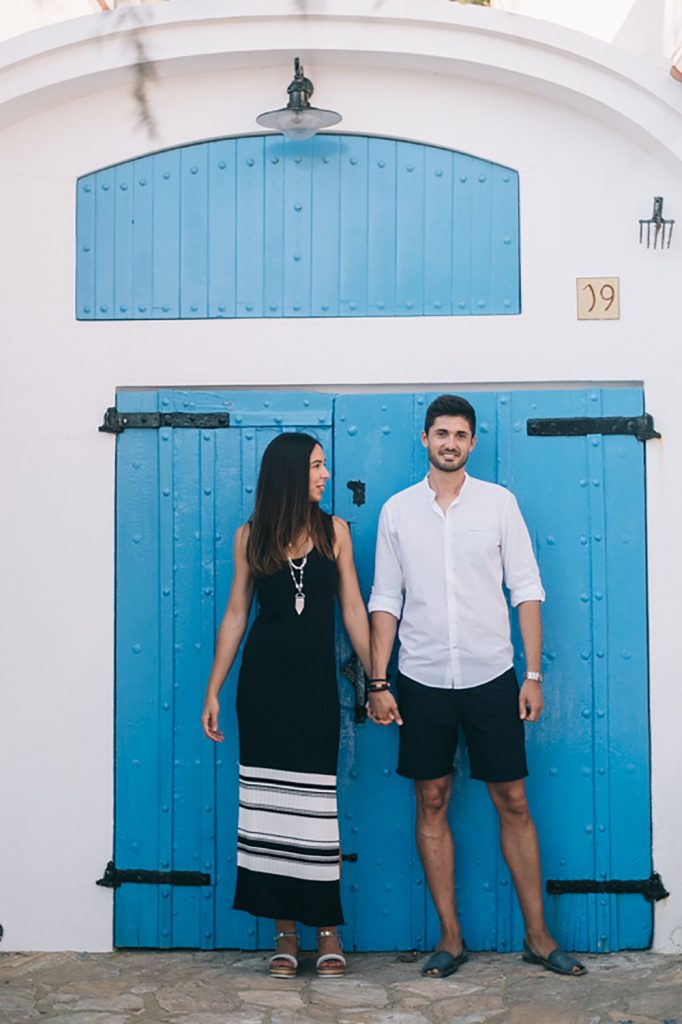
{"points": [[651, 889], [116, 422], [352, 857], [113, 877], [641, 427]]}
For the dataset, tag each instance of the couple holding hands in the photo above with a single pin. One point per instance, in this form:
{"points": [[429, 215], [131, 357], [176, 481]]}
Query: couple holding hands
{"points": [[445, 547]]}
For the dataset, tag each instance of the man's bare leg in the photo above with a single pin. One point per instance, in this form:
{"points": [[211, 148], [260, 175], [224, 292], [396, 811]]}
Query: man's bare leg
{"points": [[520, 848], [437, 853]]}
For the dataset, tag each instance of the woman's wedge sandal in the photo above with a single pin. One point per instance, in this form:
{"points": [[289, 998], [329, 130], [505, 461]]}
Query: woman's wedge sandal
{"points": [[284, 965], [330, 965]]}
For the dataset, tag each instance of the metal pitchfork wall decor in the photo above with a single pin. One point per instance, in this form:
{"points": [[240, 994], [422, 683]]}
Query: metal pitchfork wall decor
{"points": [[663, 229]]}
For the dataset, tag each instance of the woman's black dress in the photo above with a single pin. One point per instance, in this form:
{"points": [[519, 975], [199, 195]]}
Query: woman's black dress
{"points": [[288, 855]]}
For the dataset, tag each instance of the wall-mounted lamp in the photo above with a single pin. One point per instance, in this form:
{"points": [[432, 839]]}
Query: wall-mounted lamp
{"points": [[662, 228], [298, 120]]}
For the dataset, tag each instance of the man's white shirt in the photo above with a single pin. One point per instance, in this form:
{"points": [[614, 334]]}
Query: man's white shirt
{"points": [[444, 573]]}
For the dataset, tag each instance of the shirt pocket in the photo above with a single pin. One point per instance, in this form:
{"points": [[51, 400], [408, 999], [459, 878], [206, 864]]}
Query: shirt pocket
{"points": [[477, 546]]}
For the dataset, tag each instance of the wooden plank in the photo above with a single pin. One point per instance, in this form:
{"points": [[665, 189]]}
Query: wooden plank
{"points": [[505, 285], [439, 238], [274, 162], [326, 229], [183, 592], [85, 235], [481, 217], [124, 251], [222, 264], [464, 233], [166, 690], [143, 246], [250, 227], [194, 218], [353, 227], [411, 259], [165, 250], [297, 220], [381, 888], [105, 196], [137, 765], [625, 751], [381, 230]]}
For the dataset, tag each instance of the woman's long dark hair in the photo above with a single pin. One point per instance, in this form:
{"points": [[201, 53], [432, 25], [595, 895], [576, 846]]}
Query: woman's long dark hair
{"points": [[283, 510]]}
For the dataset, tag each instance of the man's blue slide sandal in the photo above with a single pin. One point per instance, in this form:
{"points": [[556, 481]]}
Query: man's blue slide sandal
{"points": [[558, 961], [443, 962]]}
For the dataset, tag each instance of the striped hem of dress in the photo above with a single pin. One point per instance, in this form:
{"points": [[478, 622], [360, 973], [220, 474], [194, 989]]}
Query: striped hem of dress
{"points": [[288, 824]]}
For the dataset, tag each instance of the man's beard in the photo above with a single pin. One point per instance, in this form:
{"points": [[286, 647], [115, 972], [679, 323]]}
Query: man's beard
{"points": [[447, 467]]}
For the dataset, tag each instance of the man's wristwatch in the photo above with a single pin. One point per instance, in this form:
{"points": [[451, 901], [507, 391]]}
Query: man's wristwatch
{"points": [[537, 677]]}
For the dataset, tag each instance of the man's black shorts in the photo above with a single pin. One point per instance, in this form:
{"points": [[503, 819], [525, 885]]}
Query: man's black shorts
{"points": [[489, 715]]}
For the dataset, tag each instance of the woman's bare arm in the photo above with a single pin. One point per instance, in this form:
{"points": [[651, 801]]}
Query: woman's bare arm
{"points": [[230, 634], [353, 611]]}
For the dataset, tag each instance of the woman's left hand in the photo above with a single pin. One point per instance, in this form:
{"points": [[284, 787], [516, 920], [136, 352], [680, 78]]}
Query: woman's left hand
{"points": [[209, 720]]}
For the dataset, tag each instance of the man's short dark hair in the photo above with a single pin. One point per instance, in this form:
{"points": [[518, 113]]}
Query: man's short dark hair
{"points": [[450, 405]]}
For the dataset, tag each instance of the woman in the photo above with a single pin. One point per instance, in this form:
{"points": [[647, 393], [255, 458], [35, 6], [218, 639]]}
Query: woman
{"points": [[296, 558]]}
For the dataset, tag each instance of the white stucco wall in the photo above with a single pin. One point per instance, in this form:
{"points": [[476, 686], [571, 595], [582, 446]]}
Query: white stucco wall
{"points": [[593, 137], [17, 16], [639, 26]]}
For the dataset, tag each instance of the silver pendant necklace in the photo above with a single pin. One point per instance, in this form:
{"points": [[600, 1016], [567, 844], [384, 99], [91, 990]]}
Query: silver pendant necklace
{"points": [[297, 577]]}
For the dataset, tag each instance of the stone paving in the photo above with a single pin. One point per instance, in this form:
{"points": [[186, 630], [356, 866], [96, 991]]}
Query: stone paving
{"points": [[234, 988]]}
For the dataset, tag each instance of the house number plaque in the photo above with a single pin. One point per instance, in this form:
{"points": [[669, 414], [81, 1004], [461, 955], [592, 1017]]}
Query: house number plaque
{"points": [[598, 298]]}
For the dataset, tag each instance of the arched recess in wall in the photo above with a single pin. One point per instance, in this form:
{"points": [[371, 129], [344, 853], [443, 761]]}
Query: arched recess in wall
{"points": [[258, 226]]}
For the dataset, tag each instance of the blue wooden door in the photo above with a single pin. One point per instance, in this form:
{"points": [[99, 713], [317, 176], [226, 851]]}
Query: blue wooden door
{"points": [[180, 495], [583, 499], [261, 226]]}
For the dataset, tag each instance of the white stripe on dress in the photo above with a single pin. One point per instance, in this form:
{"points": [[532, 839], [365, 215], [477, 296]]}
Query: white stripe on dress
{"points": [[288, 824]]}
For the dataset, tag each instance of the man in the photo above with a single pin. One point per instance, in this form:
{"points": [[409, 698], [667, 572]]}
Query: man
{"points": [[444, 548]]}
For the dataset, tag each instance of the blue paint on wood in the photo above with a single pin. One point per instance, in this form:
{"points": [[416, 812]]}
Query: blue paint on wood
{"points": [[124, 255], [137, 763], [250, 276], [410, 256], [221, 228], [180, 496], [575, 807], [194, 273], [353, 216], [85, 233], [161, 209], [105, 201], [381, 230], [150, 217], [325, 225], [339, 225], [438, 231]]}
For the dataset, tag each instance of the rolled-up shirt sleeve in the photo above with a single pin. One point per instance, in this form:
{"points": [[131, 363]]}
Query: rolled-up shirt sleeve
{"points": [[389, 584], [521, 573]]}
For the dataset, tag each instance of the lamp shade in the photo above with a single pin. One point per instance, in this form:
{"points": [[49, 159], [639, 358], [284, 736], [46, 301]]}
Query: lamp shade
{"points": [[298, 120], [298, 124]]}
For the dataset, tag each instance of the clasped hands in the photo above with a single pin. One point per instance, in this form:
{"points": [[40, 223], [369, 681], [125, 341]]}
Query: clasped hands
{"points": [[382, 708]]}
